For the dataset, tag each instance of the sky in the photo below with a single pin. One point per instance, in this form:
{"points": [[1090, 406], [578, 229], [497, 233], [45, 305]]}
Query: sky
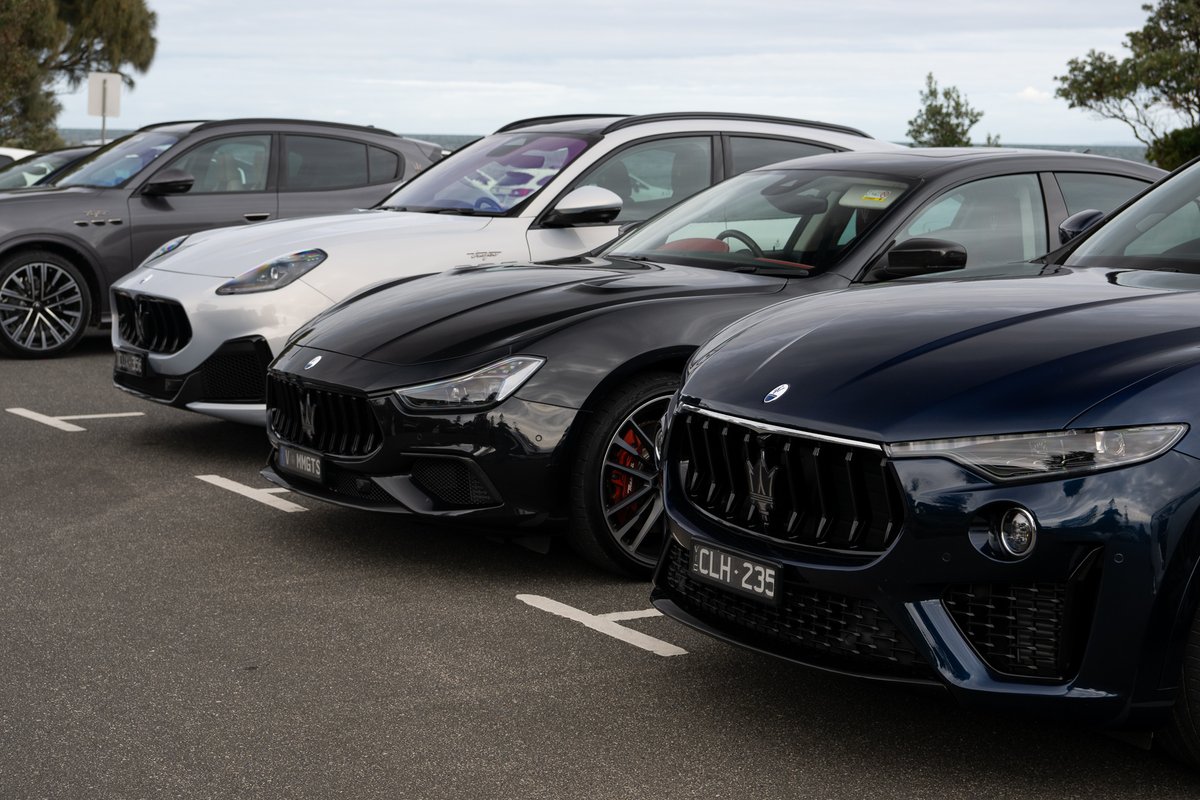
{"points": [[470, 66]]}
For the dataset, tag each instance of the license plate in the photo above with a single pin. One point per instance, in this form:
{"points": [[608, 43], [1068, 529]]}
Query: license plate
{"points": [[298, 462], [743, 575], [130, 363]]}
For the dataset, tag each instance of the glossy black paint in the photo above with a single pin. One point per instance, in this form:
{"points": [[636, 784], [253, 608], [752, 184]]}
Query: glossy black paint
{"points": [[597, 321], [106, 232], [1057, 348]]}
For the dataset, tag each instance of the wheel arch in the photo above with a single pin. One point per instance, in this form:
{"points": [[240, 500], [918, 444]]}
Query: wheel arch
{"points": [[666, 359], [79, 256]]}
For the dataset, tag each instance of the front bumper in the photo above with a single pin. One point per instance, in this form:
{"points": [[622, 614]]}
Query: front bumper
{"points": [[494, 467], [1085, 627]]}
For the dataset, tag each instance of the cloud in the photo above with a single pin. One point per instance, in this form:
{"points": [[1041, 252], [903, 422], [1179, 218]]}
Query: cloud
{"points": [[1035, 95]]}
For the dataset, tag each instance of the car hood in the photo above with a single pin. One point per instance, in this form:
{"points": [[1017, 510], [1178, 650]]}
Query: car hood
{"points": [[229, 252], [473, 310], [46, 194], [943, 359]]}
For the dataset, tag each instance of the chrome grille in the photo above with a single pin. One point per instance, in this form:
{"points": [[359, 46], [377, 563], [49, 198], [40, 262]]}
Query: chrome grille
{"points": [[152, 323], [320, 419], [797, 489]]}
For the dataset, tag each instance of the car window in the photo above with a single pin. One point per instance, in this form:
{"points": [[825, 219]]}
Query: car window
{"points": [[1087, 190], [749, 152], [318, 162], [652, 176], [998, 220], [119, 162], [228, 164], [382, 165], [791, 219]]}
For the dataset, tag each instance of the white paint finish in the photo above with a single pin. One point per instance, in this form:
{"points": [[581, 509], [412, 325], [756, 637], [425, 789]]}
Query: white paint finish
{"points": [[605, 624], [265, 496], [622, 616], [53, 422], [106, 416]]}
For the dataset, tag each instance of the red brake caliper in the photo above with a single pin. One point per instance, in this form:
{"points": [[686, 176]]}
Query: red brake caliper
{"points": [[621, 483]]}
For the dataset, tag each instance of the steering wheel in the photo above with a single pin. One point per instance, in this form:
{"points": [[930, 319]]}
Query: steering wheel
{"points": [[487, 204], [734, 233]]}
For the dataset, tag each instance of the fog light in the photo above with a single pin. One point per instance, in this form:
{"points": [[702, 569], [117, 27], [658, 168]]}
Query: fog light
{"points": [[1018, 531]]}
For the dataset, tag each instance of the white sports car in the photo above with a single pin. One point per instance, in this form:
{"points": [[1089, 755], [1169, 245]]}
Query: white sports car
{"points": [[200, 319]]}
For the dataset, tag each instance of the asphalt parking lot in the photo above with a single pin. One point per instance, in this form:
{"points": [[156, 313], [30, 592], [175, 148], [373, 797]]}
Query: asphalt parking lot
{"points": [[172, 627]]}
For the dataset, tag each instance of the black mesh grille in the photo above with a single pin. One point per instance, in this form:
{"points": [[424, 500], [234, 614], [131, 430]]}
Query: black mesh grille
{"points": [[152, 323], [1035, 630], [234, 376], [338, 424], [789, 487], [452, 482], [807, 624]]}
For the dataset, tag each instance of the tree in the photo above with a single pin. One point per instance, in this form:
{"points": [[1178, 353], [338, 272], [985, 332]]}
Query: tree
{"points": [[1152, 90], [45, 42], [945, 118]]}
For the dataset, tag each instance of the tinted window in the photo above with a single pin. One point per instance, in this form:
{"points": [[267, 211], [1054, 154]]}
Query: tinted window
{"points": [[315, 162], [120, 161], [748, 152], [1084, 190], [651, 176], [230, 164], [384, 164], [998, 220]]}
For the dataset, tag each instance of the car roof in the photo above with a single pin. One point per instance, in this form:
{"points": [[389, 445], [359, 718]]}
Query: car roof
{"points": [[927, 162], [187, 126], [600, 124]]}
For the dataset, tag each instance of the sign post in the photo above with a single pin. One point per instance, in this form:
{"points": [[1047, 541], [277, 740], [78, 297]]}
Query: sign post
{"points": [[104, 99]]}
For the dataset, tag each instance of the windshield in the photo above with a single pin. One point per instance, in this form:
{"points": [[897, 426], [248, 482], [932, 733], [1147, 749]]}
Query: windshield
{"points": [[32, 169], [1159, 231], [490, 176], [120, 161], [792, 219]]}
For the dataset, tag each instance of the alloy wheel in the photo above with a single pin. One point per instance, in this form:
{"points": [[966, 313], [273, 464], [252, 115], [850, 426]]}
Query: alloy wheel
{"points": [[630, 482], [41, 307]]}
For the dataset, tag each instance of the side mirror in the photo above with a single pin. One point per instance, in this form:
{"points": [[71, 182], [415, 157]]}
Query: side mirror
{"points": [[1076, 224], [169, 181], [920, 257], [586, 205]]}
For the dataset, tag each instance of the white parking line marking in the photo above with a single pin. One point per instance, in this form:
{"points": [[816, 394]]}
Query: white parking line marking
{"points": [[622, 616], [265, 496], [604, 623], [60, 424]]}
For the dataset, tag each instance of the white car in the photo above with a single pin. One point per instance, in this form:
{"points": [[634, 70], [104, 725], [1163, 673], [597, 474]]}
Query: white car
{"points": [[198, 322], [11, 154]]}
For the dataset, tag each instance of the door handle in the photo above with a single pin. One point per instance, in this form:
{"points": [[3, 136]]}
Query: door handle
{"points": [[257, 216]]}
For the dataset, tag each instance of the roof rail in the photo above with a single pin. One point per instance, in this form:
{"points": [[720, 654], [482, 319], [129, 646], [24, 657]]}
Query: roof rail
{"points": [[172, 122], [525, 123], [260, 120], [644, 118]]}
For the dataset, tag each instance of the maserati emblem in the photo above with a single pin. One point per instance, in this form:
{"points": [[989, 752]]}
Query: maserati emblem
{"points": [[776, 393], [141, 316], [308, 414], [313, 363], [762, 485]]}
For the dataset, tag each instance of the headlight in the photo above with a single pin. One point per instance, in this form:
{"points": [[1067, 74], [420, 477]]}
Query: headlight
{"points": [[483, 387], [167, 247], [274, 274], [1054, 453]]}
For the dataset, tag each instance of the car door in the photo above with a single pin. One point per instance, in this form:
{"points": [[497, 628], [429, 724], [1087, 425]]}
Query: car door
{"points": [[325, 175], [231, 186]]}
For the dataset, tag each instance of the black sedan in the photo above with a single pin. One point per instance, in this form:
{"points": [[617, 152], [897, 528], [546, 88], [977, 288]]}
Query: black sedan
{"points": [[519, 394], [990, 485]]}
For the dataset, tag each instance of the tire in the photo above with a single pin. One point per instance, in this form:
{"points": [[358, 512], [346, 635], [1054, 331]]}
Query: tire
{"points": [[1181, 737], [45, 305], [614, 462]]}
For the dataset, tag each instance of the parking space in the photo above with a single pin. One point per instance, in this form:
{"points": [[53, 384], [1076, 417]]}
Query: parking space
{"points": [[173, 626]]}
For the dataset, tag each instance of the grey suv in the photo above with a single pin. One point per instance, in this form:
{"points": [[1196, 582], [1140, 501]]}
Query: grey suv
{"points": [[61, 246]]}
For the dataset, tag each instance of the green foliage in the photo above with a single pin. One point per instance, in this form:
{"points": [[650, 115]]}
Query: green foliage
{"points": [[44, 42], [1175, 149], [945, 118], [1154, 88]]}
